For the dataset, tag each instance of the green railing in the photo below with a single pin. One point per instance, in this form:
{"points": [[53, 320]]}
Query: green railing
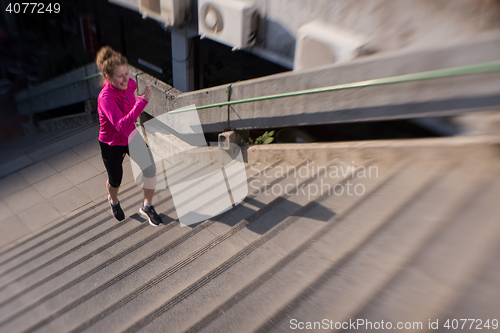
{"points": [[440, 73]]}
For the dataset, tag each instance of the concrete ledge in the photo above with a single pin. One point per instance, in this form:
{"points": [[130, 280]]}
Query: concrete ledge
{"points": [[428, 98], [437, 97], [76, 93], [71, 121], [386, 152]]}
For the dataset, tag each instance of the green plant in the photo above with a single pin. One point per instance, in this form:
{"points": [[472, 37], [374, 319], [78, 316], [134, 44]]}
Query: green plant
{"points": [[265, 139]]}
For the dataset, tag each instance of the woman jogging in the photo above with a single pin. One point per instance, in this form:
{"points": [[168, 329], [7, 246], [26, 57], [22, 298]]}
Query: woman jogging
{"points": [[118, 109]]}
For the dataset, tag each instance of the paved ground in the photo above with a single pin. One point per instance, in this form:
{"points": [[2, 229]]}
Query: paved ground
{"points": [[56, 180]]}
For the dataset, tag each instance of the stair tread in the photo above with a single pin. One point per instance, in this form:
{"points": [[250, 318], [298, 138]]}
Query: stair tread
{"points": [[355, 282], [257, 259], [439, 273], [306, 265], [96, 278]]}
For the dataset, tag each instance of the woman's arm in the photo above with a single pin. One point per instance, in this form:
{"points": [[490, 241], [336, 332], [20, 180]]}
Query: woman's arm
{"points": [[123, 124]]}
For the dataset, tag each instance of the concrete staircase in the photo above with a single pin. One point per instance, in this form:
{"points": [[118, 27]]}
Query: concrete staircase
{"points": [[416, 239]]}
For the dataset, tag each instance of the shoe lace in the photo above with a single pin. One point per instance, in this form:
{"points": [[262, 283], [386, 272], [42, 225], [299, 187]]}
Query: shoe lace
{"points": [[116, 208], [149, 209]]}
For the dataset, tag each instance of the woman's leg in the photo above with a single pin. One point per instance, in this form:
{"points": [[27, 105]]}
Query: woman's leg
{"points": [[148, 196], [141, 154], [113, 192], [113, 156], [148, 185]]}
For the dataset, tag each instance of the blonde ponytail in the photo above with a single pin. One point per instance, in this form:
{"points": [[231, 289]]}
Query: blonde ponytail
{"points": [[108, 59]]}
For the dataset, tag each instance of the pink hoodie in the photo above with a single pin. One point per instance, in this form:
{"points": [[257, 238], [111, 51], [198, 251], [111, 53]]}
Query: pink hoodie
{"points": [[118, 110]]}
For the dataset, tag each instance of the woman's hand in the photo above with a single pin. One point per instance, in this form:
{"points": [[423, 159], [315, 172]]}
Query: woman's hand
{"points": [[146, 94]]}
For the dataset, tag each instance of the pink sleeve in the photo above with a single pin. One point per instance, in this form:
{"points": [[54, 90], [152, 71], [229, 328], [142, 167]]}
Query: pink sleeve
{"points": [[122, 123]]}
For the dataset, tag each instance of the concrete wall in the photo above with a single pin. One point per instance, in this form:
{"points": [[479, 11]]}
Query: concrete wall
{"points": [[380, 152], [437, 97], [72, 94], [389, 24]]}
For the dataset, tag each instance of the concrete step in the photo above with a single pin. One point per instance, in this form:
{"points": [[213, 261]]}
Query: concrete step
{"points": [[169, 281], [282, 280], [219, 277], [127, 256], [171, 255], [361, 274], [125, 203], [291, 249], [49, 237], [436, 277], [479, 300], [90, 259], [61, 230], [62, 234], [224, 281], [104, 216]]}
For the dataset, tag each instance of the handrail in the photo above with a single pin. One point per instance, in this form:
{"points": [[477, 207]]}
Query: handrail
{"points": [[86, 78], [440, 73]]}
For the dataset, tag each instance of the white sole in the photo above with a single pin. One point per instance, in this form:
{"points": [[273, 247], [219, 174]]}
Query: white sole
{"points": [[146, 215]]}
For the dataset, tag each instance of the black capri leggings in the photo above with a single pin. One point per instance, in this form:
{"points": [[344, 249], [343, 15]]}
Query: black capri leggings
{"points": [[113, 156]]}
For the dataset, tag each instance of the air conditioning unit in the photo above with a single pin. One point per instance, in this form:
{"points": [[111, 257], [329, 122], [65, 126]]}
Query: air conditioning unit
{"points": [[171, 12], [229, 22], [320, 44]]}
